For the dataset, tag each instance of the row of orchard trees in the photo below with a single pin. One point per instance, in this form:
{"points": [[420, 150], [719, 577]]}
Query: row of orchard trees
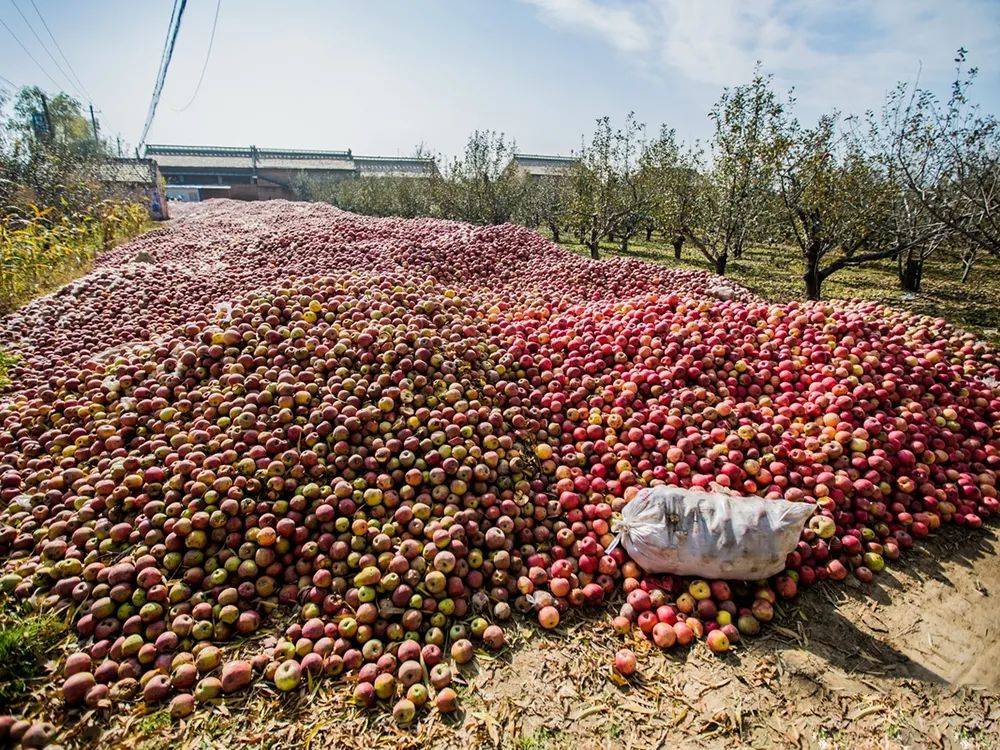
{"points": [[920, 176], [917, 177]]}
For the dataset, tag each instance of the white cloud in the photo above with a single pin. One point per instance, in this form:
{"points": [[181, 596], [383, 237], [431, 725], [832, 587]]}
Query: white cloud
{"points": [[844, 54], [616, 25]]}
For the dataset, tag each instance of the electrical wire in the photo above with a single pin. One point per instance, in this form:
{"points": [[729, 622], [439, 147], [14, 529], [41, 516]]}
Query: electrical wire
{"points": [[45, 48], [204, 67], [161, 76], [60, 50], [28, 53]]}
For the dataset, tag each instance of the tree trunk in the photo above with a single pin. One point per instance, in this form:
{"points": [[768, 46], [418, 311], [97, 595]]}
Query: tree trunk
{"points": [[966, 268], [813, 282], [594, 245], [611, 236], [649, 234], [624, 243], [678, 244], [911, 270], [738, 251], [720, 264], [554, 228]]}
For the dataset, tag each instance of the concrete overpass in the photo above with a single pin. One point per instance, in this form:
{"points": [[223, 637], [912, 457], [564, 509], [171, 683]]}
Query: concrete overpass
{"points": [[252, 173]]}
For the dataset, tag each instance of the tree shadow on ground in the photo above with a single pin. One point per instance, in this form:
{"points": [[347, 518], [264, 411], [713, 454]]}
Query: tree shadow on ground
{"points": [[830, 635]]}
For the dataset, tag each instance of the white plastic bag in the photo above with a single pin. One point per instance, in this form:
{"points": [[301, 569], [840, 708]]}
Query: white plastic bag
{"points": [[686, 532]]}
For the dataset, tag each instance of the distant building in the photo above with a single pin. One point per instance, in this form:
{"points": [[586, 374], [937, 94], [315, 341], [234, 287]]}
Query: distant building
{"points": [[251, 173], [391, 166], [536, 166], [138, 178]]}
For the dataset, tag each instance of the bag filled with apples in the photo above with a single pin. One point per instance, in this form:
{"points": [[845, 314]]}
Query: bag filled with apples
{"points": [[709, 534]]}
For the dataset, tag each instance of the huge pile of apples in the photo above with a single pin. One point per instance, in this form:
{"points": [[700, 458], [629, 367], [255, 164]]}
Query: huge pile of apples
{"points": [[403, 431]]}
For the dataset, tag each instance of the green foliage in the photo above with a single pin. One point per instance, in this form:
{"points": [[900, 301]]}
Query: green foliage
{"points": [[154, 722], [373, 196], [730, 189], [948, 154], [546, 203], [609, 191], [40, 250], [58, 169], [479, 186], [7, 361], [55, 213], [25, 639]]}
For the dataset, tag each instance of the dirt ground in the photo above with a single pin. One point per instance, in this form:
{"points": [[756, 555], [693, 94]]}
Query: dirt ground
{"points": [[911, 662]]}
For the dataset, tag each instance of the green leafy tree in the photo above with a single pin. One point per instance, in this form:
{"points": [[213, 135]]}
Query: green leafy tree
{"points": [[841, 206], [56, 166], [478, 186], [948, 154], [727, 202], [546, 203], [608, 194]]}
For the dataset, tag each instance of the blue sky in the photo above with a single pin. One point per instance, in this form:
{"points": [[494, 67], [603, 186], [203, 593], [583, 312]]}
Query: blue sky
{"points": [[381, 76]]}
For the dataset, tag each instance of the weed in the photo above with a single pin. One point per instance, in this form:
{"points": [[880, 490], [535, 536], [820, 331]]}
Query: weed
{"points": [[7, 361], [540, 739], [154, 722], [25, 639]]}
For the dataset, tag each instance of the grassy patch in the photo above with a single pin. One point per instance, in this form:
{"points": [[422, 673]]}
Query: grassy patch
{"points": [[25, 639], [540, 739], [7, 361], [775, 273], [154, 722]]}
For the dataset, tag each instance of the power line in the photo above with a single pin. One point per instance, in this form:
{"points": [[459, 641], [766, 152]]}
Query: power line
{"points": [[161, 76], [45, 47], [28, 53], [204, 67], [60, 50]]}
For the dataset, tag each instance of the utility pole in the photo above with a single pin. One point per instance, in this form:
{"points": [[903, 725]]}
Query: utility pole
{"points": [[119, 138], [48, 117], [93, 122]]}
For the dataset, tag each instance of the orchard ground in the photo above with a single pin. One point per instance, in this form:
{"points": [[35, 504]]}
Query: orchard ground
{"points": [[909, 661], [775, 273]]}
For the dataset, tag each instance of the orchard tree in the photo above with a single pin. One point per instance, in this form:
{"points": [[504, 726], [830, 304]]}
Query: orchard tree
{"points": [[918, 235], [917, 232], [546, 203], [480, 187], [948, 152], [728, 199], [660, 166], [607, 198], [842, 205]]}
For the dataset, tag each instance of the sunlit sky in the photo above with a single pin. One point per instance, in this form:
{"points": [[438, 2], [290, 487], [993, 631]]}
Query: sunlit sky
{"points": [[381, 76]]}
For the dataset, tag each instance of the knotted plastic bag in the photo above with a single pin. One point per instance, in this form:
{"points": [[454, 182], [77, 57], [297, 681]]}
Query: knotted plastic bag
{"points": [[687, 532]]}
